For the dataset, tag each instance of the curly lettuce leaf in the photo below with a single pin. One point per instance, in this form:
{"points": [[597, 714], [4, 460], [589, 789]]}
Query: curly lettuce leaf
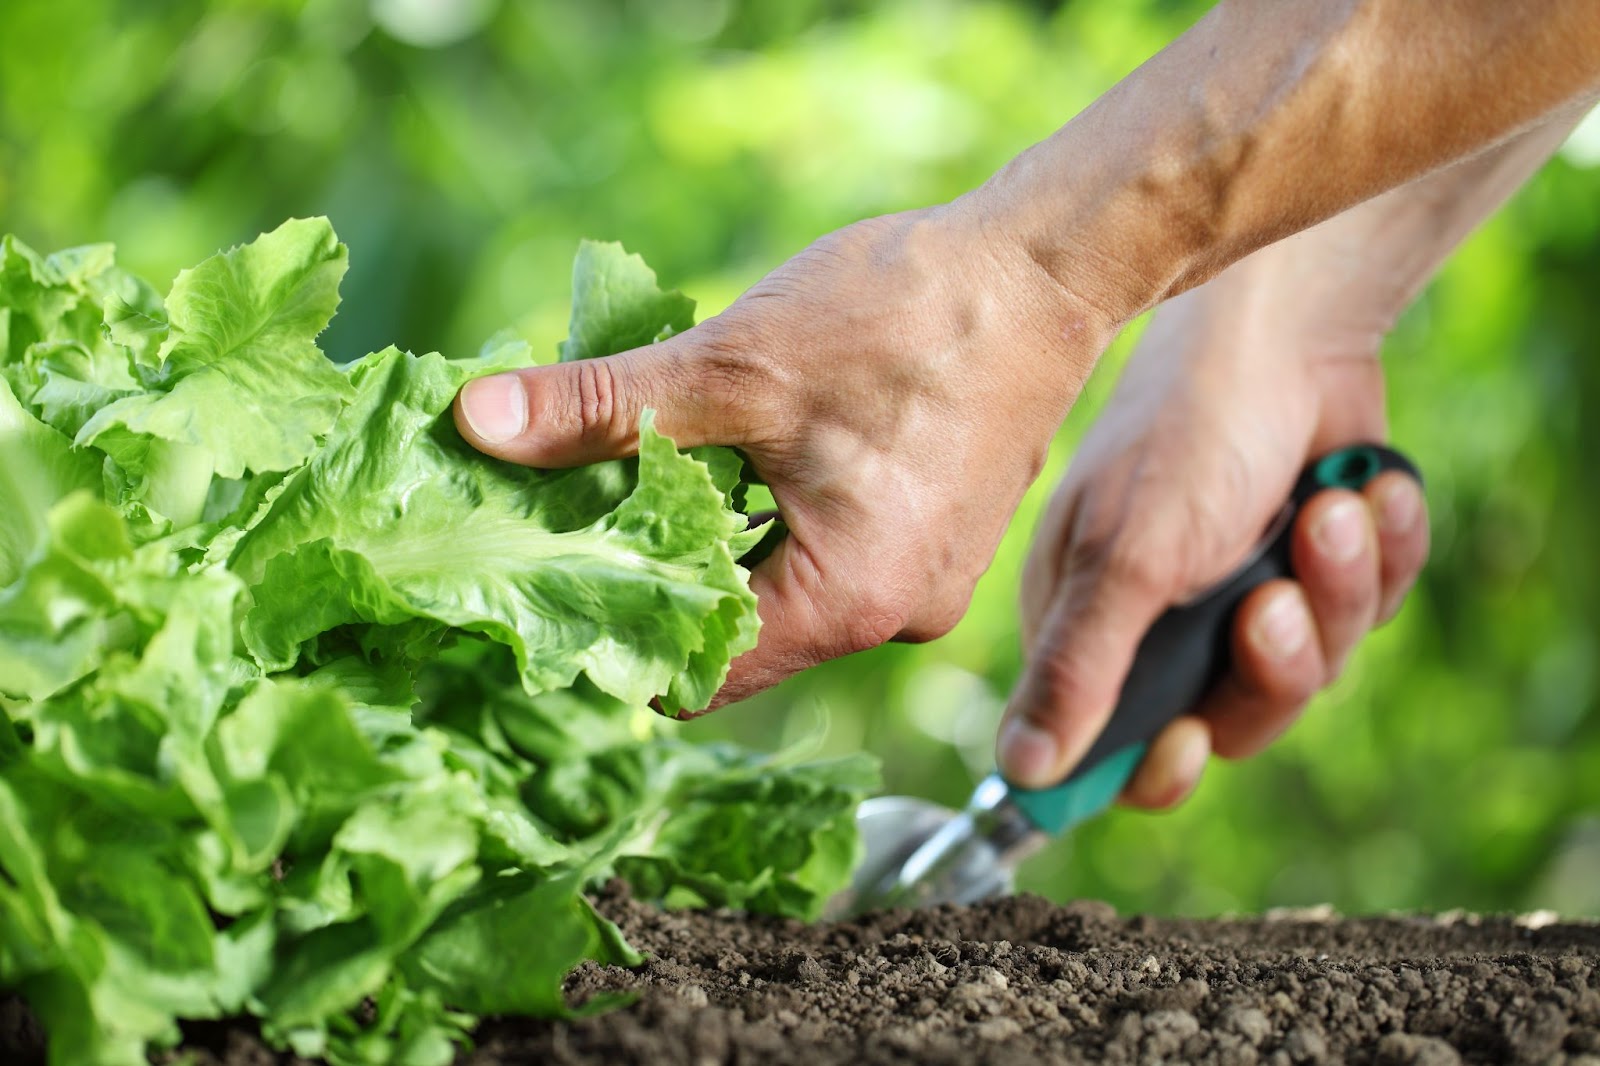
{"points": [[617, 305], [38, 467], [63, 557], [718, 844], [689, 824], [308, 710], [395, 521], [238, 335]]}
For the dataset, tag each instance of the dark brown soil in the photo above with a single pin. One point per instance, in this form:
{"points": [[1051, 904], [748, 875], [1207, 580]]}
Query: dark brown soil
{"points": [[1025, 981]]}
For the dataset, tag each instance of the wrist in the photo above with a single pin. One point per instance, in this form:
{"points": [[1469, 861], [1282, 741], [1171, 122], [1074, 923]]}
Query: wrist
{"points": [[1299, 299], [1071, 239], [1075, 323], [1256, 314], [1176, 171]]}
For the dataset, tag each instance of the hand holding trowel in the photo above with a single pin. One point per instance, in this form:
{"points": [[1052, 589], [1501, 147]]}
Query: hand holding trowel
{"points": [[918, 852]]}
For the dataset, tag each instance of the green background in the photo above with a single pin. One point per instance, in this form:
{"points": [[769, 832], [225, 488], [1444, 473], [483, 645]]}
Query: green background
{"points": [[462, 148]]}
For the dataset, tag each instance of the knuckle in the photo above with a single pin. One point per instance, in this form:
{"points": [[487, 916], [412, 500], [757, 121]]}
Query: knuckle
{"points": [[736, 378], [1125, 561], [936, 622], [1057, 683], [1118, 545], [943, 622], [874, 621], [601, 413], [1291, 689], [1348, 600], [1352, 603]]}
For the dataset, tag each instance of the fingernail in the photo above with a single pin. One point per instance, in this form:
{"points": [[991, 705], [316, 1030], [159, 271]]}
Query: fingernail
{"points": [[496, 407], [1338, 531], [1027, 754], [1282, 628], [1398, 507]]}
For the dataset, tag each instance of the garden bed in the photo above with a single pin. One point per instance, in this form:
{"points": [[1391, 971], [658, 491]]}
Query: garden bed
{"points": [[1023, 980]]}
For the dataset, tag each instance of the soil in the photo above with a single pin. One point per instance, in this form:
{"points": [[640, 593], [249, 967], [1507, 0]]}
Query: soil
{"points": [[1026, 981]]}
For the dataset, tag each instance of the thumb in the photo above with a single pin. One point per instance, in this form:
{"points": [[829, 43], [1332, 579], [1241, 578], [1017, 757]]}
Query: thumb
{"points": [[1075, 672], [569, 414]]}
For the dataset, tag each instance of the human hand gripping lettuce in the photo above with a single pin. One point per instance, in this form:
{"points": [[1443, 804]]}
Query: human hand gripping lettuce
{"points": [[306, 707]]}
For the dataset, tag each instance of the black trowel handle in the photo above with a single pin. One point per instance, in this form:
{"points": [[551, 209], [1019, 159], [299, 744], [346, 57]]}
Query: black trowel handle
{"points": [[1188, 649]]}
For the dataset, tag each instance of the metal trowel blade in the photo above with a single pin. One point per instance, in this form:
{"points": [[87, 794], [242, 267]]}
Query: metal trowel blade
{"points": [[893, 830]]}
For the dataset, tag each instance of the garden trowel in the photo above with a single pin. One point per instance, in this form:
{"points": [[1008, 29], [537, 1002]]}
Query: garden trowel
{"points": [[918, 852]]}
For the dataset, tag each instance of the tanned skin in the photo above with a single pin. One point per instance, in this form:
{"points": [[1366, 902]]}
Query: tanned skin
{"points": [[1268, 117], [1233, 388], [898, 382]]}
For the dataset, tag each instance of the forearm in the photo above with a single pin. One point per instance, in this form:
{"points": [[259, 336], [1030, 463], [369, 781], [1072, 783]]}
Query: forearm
{"points": [[1340, 285], [1268, 117]]}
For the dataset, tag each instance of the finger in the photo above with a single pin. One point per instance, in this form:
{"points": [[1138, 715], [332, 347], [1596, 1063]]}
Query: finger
{"points": [[1277, 666], [810, 612], [569, 414], [1171, 766], [1401, 514], [1074, 674], [1334, 554]]}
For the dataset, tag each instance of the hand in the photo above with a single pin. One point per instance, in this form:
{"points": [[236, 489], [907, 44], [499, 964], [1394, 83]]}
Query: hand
{"points": [[1224, 402], [896, 385], [1235, 386]]}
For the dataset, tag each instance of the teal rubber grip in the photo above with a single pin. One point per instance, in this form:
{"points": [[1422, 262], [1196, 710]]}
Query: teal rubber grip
{"points": [[1188, 649]]}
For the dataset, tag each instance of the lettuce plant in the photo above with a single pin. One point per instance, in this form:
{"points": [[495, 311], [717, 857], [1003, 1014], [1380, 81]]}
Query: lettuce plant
{"points": [[310, 712]]}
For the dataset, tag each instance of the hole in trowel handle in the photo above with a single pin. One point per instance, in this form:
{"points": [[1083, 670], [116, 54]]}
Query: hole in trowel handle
{"points": [[1349, 468]]}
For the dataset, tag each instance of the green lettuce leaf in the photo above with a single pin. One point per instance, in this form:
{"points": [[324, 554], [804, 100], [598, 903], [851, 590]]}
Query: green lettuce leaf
{"points": [[309, 711], [239, 337], [38, 468], [616, 304], [644, 599], [63, 615], [717, 844]]}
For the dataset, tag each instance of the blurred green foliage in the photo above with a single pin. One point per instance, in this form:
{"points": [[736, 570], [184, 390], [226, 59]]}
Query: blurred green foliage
{"points": [[462, 147]]}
